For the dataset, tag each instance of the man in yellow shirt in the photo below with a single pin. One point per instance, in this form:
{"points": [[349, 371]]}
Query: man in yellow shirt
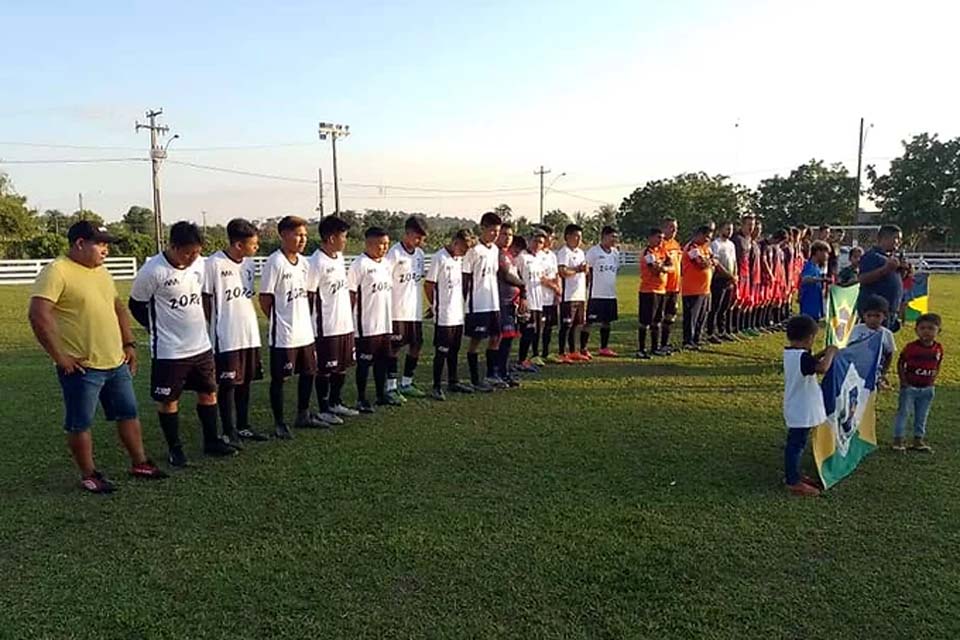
{"points": [[81, 323]]}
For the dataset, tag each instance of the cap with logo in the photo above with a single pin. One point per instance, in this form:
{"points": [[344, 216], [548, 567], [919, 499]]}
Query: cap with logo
{"points": [[86, 230]]}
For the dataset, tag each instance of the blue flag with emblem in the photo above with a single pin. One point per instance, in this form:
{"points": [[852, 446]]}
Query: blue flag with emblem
{"points": [[849, 397]]}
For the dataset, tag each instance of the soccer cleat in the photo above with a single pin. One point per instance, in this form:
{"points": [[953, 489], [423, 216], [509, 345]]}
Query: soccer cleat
{"points": [[233, 440], [558, 358], [662, 352], [283, 432], [527, 366], [329, 418], [219, 449], [309, 420], [715, 340], [390, 399], [585, 355], [606, 352], [343, 411], [483, 387], [919, 444], [364, 406], [803, 489], [813, 482], [641, 355], [575, 357], [538, 361], [97, 483], [438, 394], [177, 458], [497, 382], [898, 445], [460, 387], [250, 434], [512, 382], [728, 338], [691, 346], [411, 391], [147, 470]]}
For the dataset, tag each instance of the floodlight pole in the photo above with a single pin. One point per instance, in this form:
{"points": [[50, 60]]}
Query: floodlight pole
{"points": [[334, 131]]}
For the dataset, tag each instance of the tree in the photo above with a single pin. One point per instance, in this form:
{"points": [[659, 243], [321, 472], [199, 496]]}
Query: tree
{"points": [[606, 215], [139, 220], [813, 193], [54, 221], [921, 191], [557, 219], [691, 198], [85, 214], [504, 211], [17, 221], [46, 245]]}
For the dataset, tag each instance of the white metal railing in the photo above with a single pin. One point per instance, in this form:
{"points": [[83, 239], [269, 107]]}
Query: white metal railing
{"points": [[26, 271]]}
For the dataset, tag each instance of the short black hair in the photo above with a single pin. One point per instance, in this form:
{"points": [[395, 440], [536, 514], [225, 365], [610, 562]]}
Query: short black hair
{"points": [[506, 224], [888, 230], [854, 250], [654, 231], [704, 229], [930, 318], [819, 245], [416, 224], [824, 227], [780, 235], [668, 219], [490, 219], [464, 235], [239, 230], [571, 228], [547, 229], [875, 303], [608, 230], [331, 226], [801, 327], [519, 243], [289, 223], [185, 234], [375, 232]]}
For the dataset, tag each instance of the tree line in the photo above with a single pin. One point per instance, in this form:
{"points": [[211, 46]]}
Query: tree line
{"points": [[920, 192]]}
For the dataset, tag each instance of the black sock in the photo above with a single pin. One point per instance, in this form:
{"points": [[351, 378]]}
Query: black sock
{"points": [[226, 402], [170, 425], [562, 342], [526, 340], [276, 399], [392, 367], [604, 337], [208, 421], [654, 336], [322, 384], [380, 366], [642, 338], [439, 359], [243, 406], [584, 339], [337, 380], [571, 337], [503, 355], [473, 361], [363, 372], [452, 357], [410, 365], [304, 391], [535, 342], [547, 331], [664, 334], [492, 356]]}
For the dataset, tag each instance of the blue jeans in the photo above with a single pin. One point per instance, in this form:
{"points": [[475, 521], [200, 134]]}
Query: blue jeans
{"points": [[919, 400], [793, 452], [113, 388]]}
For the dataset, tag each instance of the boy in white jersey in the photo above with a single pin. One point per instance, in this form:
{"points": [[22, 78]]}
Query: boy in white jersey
{"points": [[327, 286], [228, 291], [284, 300], [480, 267], [552, 292], [444, 289], [407, 263], [370, 279], [604, 261], [167, 299], [530, 267], [573, 267]]}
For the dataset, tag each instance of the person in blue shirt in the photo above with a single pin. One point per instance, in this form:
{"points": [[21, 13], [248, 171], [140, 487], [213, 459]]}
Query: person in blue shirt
{"points": [[880, 274], [812, 278]]}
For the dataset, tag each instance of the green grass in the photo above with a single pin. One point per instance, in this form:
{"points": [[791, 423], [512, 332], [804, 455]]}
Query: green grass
{"points": [[613, 500]]}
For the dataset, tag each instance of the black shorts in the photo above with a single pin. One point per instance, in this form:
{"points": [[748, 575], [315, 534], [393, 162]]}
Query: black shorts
{"points": [[285, 362], [335, 354], [573, 313], [170, 378], [407, 333], [370, 348], [447, 339], [484, 324], [508, 321], [533, 319], [670, 305], [239, 367], [551, 314], [651, 308], [602, 310]]}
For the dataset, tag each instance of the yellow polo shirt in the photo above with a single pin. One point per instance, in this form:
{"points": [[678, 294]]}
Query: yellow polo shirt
{"points": [[83, 303]]}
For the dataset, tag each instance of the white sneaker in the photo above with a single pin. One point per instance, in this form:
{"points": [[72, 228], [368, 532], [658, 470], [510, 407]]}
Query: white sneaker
{"points": [[346, 412], [329, 418]]}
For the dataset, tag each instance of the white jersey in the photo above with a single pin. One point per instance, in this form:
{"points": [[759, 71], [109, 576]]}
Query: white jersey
{"points": [[328, 280], [290, 323], [371, 280], [233, 318], [483, 262], [531, 270], [862, 332], [446, 272], [603, 272], [575, 286], [548, 261], [408, 269], [802, 398], [178, 326]]}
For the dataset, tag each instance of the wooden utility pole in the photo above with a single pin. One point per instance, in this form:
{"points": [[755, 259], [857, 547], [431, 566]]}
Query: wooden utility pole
{"points": [[542, 172], [157, 155]]}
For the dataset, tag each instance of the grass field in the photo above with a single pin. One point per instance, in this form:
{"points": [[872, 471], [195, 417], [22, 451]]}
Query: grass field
{"points": [[613, 500]]}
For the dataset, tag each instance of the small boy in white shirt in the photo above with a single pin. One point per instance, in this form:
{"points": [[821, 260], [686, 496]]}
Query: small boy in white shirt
{"points": [[874, 313]]}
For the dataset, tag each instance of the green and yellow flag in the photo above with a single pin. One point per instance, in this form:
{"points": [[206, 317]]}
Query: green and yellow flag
{"points": [[917, 296], [841, 314]]}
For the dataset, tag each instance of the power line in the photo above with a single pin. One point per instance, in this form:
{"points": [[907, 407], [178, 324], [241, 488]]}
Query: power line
{"points": [[73, 161], [44, 145], [253, 174]]}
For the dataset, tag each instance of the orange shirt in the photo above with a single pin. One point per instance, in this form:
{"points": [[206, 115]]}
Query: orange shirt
{"points": [[696, 278], [652, 280], [675, 251]]}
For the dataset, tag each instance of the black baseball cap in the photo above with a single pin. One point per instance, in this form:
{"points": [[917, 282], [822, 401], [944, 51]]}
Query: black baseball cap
{"points": [[86, 230]]}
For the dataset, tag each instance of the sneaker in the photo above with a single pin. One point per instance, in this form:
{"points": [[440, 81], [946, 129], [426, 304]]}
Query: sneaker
{"points": [[147, 470], [177, 458], [329, 417], [364, 406], [390, 399], [219, 449], [728, 338], [538, 362], [558, 358], [575, 357], [641, 355], [483, 387], [527, 366], [438, 394], [233, 440], [691, 346], [411, 391], [343, 412], [898, 445], [608, 353], [497, 382], [803, 489], [813, 482], [662, 352], [309, 420], [752, 333], [250, 434], [715, 340], [283, 432], [585, 355], [460, 387], [96, 483], [512, 382], [919, 444]]}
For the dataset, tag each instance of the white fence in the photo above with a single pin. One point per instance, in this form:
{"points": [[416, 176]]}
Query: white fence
{"points": [[26, 271]]}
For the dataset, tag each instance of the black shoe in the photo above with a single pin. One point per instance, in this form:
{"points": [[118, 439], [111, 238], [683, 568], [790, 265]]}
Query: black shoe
{"points": [[177, 458], [389, 400], [233, 440], [438, 394], [715, 340], [364, 406], [691, 346], [460, 387], [218, 449], [512, 382], [662, 352], [308, 420], [483, 387], [250, 434], [641, 355], [97, 483], [283, 432]]}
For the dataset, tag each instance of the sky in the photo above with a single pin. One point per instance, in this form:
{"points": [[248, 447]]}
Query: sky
{"points": [[452, 106]]}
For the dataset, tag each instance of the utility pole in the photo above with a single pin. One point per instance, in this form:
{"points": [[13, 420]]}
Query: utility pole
{"points": [[334, 131], [203, 214], [157, 155], [542, 172], [320, 191], [856, 204], [80, 210]]}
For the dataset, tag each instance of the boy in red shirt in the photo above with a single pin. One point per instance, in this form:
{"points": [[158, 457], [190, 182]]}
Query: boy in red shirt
{"points": [[918, 366]]}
